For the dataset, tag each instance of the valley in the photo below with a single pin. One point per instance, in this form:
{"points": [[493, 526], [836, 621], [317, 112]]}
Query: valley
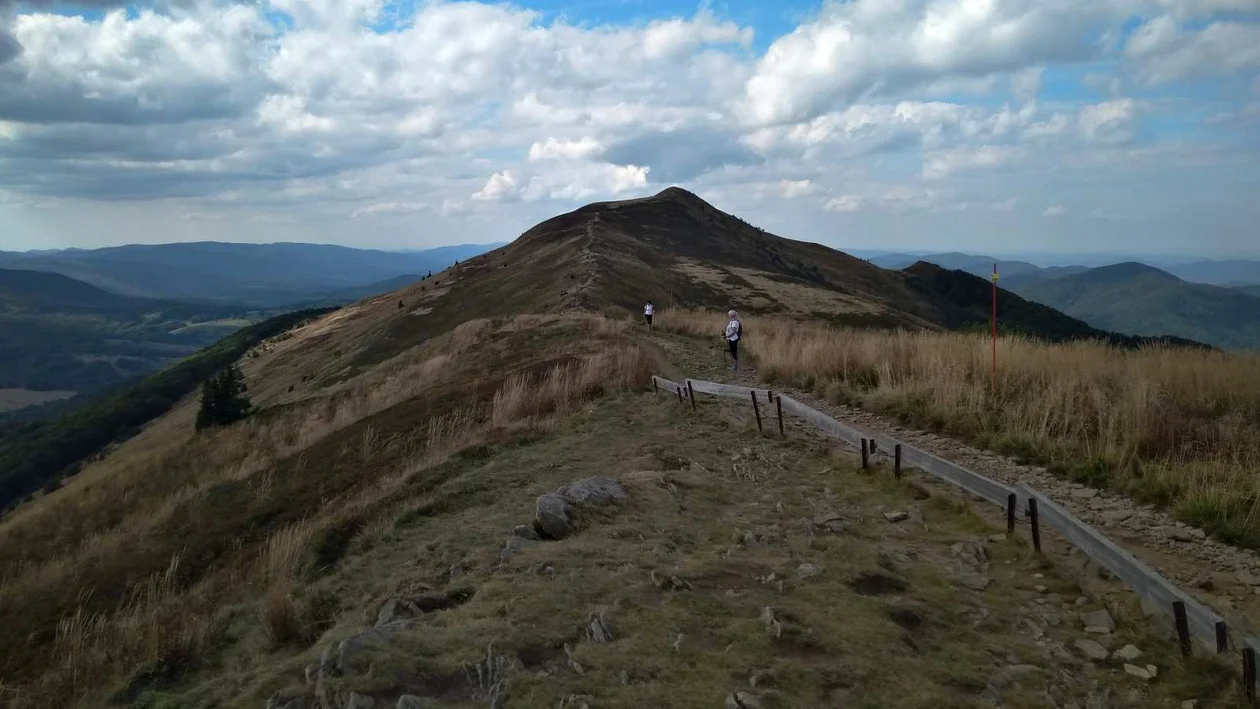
{"points": [[379, 531]]}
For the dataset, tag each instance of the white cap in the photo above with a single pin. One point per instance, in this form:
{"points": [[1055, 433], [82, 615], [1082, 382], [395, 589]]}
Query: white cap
{"points": [[731, 314]]}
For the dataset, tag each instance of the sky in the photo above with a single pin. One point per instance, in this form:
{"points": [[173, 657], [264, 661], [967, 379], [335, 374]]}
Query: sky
{"points": [[989, 126]]}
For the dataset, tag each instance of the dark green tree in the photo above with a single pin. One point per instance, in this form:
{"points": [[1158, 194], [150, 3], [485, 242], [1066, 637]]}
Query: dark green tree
{"points": [[223, 399]]}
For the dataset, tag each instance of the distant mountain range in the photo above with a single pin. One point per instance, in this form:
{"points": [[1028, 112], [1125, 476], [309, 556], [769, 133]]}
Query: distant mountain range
{"points": [[85, 320], [257, 275], [1235, 272], [1132, 298]]}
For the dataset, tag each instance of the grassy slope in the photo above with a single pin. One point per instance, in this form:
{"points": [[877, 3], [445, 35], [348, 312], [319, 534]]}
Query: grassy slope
{"points": [[1140, 300], [698, 483]]}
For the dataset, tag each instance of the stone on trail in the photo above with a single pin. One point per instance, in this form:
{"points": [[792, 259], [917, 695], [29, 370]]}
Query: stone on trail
{"points": [[555, 509], [1084, 493], [896, 516], [743, 700], [807, 571], [1099, 619], [973, 580], [1139, 672], [1091, 649], [1127, 653]]}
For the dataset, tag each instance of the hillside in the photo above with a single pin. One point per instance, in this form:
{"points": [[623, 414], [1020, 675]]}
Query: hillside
{"points": [[1228, 272], [57, 333], [259, 275], [383, 490], [1249, 290], [1136, 299], [978, 265]]}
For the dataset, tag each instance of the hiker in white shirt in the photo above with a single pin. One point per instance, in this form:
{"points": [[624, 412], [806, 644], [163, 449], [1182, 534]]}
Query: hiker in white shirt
{"points": [[733, 330], [648, 311]]}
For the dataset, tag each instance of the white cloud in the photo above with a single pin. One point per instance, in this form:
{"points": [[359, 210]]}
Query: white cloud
{"points": [[792, 189], [1109, 122], [1165, 51], [943, 163], [565, 149], [844, 203], [1056, 210], [500, 185], [378, 209]]}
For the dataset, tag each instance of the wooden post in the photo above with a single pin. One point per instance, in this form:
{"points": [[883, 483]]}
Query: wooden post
{"points": [[1249, 673], [778, 405], [1222, 638], [897, 461], [756, 411], [655, 389], [1036, 523], [679, 390], [1183, 628], [692, 395], [1011, 502], [866, 455]]}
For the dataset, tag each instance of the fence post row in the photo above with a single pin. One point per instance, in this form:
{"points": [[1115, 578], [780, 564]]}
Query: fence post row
{"points": [[1191, 617]]}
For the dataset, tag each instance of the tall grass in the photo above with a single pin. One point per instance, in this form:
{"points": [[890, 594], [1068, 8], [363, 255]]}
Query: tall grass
{"points": [[166, 620], [1177, 427]]}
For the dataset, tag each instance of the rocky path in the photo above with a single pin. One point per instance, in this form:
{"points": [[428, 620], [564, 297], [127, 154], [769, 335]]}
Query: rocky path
{"points": [[1225, 577]]}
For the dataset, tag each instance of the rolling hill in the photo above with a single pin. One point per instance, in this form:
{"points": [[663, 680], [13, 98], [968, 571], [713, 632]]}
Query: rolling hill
{"points": [[396, 443], [977, 265], [259, 275], [1137, 299], [1229, 272]]}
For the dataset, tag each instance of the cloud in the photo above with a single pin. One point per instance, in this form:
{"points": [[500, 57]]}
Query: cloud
{"points": [[792, 189], [1056, 210], [844, 203], [378, 209], [1108, 122], [565, 149], [943, 163], [501, 185], [1165, 51]]}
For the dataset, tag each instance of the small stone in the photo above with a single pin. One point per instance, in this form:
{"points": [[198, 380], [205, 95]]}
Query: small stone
{"points": [[1099, 698], [1084, 494], [997, 538], [1190, 704], [973, 580], [1247, 578], [1203, 581], [1098, 618], [359, 701], [743, 700], [597, 631], [1040, 589], [1153, 670], [1139, 672], [1081, 600], [896, 516], [1091, 649], [311, 674], [807, 571], [1116, 516], [411, 701], [1039, 576], [1180, 534], [1097, 630], [830, 522], [525, 531], [1127, 653]]}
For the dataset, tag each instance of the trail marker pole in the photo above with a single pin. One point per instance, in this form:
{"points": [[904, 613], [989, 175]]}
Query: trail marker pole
{"points": [[778, 405], [1011, 502], [866, 460], [1249, 673], [756, 411], [1183, 628], [692, 395], [1222, 638], [897, 461], [1036, 523], [679, 390]]}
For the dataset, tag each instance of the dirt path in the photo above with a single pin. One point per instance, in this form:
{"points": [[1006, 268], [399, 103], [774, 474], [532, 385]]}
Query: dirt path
{"points": [[1225, 577]]}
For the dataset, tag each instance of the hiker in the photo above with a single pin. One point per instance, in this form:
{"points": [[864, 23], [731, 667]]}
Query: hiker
{"points": [[733, 330], [648, 311]]}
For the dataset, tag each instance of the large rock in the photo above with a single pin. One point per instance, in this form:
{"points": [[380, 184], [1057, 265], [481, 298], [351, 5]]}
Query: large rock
{"points": [[1091, 649], [556, 510], [594, 491], [554, 516], [396, 609]]}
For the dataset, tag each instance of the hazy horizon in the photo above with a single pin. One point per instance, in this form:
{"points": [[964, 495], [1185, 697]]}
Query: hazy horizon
{"points": [[912, 125]]}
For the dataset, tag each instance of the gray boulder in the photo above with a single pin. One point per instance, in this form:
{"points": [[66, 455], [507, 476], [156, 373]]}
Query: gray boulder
{"points": [[594, 491], [396, 609], [554, 516]]}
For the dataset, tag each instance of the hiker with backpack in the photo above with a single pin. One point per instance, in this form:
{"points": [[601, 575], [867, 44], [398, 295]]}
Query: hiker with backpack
{"points": [[734, 329], [648, 311]]}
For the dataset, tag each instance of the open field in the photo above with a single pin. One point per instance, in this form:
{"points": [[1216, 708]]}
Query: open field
{"points": [[12, 399], [1177, 427]]}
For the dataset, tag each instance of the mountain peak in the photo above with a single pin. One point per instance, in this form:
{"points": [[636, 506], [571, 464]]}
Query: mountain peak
{"points": [[679, 194]]}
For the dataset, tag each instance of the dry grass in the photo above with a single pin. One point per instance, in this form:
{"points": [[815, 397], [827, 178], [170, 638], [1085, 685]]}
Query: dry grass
{"points": [[1173, 426], [75, 556]]}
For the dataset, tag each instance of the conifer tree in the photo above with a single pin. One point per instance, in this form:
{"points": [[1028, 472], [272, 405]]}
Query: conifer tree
{"points": [[223, 399]]}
